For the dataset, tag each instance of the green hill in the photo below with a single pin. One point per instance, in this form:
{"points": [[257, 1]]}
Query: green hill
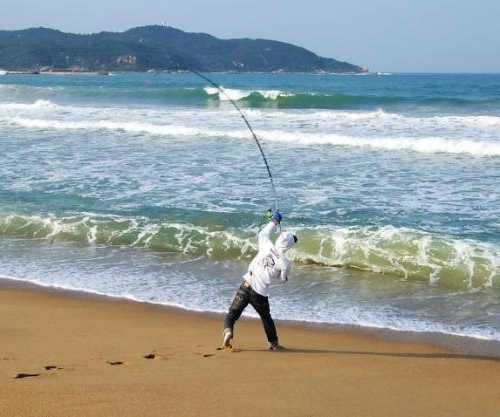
{"points": [[156, 47]]}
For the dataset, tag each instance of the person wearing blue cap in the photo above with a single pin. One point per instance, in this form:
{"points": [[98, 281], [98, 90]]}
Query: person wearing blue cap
{"points": [[269, 264]]}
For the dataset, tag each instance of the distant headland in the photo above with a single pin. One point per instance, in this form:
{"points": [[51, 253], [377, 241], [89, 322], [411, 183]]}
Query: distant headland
{"points": [[155, 48]]}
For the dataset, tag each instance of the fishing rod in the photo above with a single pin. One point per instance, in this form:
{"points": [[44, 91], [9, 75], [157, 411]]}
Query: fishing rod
{"points": [[256, 139]]}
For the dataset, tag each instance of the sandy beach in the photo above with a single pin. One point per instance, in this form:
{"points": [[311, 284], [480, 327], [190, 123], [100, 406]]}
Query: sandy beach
{"points": [[89, 354]]}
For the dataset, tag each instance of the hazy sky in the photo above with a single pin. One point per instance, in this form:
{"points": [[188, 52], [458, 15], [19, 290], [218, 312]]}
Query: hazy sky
{"points": [[385, 35]]}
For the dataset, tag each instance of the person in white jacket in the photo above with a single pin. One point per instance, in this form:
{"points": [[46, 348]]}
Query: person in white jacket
{"points": [[269, 264]]}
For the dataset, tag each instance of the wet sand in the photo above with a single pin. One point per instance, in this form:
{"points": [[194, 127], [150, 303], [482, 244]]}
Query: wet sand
{"points": [[89, 357]]}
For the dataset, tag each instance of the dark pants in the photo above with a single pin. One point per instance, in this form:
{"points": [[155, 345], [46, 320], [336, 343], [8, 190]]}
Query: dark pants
{"points": [[245, 296]]}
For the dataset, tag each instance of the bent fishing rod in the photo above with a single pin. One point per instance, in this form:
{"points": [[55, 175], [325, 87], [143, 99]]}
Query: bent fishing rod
{"points": [[247, 123]]}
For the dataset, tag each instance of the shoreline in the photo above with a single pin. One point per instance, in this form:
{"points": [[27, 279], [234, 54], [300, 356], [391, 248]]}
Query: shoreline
{"points": [[73, 354], [466, 345], [159, 72]]}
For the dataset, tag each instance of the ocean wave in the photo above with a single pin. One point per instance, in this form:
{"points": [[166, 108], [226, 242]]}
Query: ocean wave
{"points": [[480, 148], [390, 120], [373, 119], [37, 105], [419, 144], [253, 98], [337, 100], [409, 254], [298, 100], [234, 94], [130, 127]]}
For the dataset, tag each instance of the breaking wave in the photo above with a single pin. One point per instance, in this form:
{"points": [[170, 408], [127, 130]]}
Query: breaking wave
{"points": [[332, 100], [38, 104], [400, 252], [422, 145], [257, 98], [480, 148], [130, 127], [236, 95]]}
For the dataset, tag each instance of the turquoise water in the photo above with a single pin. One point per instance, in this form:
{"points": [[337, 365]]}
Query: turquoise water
{"points": [[150, 187]]}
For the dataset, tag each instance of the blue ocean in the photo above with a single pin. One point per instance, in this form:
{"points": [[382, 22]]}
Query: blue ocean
{"points": [[150, 187]]}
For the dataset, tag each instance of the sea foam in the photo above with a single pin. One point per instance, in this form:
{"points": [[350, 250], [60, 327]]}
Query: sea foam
{"points": [[465, 146]]}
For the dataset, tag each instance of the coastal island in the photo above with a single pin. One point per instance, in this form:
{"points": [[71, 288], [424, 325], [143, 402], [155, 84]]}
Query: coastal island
{"points": [[155, 48]]}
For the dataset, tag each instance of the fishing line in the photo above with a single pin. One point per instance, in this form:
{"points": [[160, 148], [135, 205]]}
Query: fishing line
{"points": [[257, 141]]}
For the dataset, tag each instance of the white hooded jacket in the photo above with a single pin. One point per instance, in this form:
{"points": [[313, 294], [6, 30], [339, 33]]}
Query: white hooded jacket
{"points": [[270, 262]]}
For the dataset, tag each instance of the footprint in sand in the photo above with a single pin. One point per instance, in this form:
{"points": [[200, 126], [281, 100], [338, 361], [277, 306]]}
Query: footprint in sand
{"points": [[114, 363], [25, 375], [52, 367], [229, 349], [149, 356]]}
